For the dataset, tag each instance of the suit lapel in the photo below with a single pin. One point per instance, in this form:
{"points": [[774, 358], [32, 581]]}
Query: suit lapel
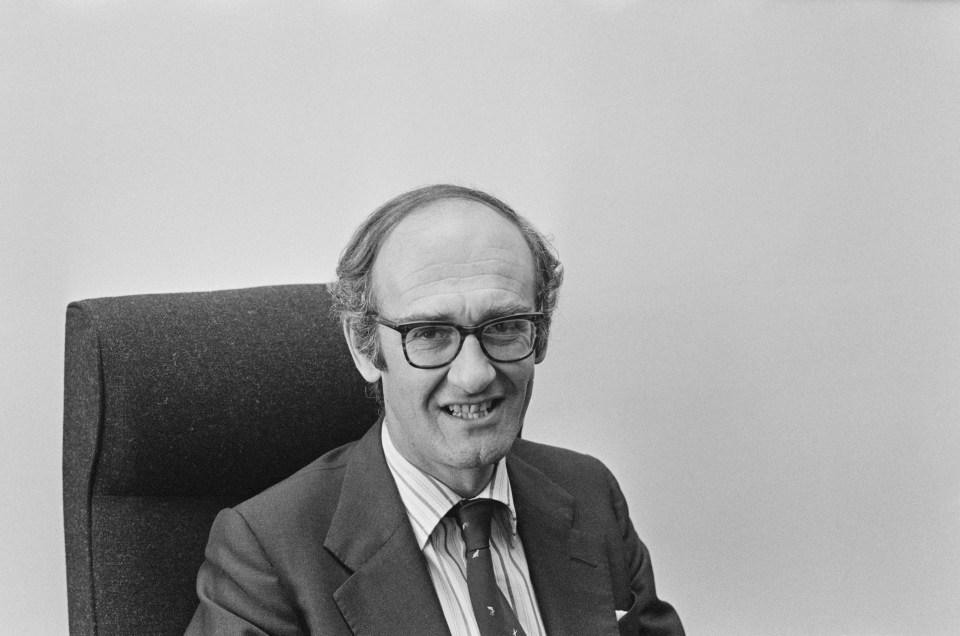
{"points": [[567, 566], [389, 590]]}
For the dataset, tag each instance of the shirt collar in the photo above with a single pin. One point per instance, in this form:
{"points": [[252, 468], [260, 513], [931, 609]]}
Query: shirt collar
{"points": [[427, 499]]}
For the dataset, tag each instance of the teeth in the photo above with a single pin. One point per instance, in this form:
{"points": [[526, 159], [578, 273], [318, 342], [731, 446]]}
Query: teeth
{"points": [[470, 411]]}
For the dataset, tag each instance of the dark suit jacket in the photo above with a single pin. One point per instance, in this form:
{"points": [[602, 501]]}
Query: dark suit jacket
{"points": [[330, 551]]}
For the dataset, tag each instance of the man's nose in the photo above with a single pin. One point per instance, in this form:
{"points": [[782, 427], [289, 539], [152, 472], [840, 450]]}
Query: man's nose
{"points": [[471, 370]]}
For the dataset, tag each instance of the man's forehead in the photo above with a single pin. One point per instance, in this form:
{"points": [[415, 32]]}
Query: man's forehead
{"points": [[450, 217], [450, 252]]}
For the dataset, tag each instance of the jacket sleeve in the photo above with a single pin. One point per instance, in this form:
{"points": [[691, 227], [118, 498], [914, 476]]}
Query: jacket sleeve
{"points": [[647, 614], [238, 588]]}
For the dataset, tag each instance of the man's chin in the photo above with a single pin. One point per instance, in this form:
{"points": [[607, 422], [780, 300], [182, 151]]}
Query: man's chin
{"points": [[479, 451]]}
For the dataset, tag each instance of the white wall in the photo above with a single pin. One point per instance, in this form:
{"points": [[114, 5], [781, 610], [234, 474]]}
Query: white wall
{"points": [[757, 204]]}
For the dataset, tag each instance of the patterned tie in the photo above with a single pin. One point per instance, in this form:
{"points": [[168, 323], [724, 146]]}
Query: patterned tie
{"points": [[494, 615]]}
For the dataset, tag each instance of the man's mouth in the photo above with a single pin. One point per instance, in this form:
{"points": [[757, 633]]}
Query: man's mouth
{"points": [[472, 411]]}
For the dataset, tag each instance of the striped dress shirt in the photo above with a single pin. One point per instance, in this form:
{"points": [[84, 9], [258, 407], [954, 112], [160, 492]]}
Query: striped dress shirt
{"points": [[427, 501]]}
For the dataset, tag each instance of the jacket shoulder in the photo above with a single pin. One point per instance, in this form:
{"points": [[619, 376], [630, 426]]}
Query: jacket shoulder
{"points": [[570, 469], [554, 458], [314, 488]]}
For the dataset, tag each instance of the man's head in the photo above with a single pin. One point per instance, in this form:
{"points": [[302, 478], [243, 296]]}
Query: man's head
{"points": [[456, 255], [353, 295]]}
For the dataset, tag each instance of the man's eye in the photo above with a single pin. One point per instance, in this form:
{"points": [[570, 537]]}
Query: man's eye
{"points": [[429, 334], [506, 328]]}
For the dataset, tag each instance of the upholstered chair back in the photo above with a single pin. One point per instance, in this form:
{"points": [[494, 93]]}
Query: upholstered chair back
{"points": [[178, 405]]}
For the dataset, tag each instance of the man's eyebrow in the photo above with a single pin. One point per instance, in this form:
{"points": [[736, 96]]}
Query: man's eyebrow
{"points": [[424, 316], [496, 311], [509, 309]]}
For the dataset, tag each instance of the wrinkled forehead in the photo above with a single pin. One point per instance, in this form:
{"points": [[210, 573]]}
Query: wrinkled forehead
{"points": [[453, 257]]}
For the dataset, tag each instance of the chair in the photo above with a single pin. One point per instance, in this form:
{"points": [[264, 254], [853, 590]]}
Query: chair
{"points": [[178, 405]]}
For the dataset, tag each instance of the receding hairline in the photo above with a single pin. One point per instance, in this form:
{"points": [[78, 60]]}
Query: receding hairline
{"points": [[431, 205]]}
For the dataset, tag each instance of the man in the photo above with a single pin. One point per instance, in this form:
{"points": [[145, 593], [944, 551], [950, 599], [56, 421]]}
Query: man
{"points": [[445, 295]]}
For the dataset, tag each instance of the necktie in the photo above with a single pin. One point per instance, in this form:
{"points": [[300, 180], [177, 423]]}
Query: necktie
{"points": [[494, 615]]}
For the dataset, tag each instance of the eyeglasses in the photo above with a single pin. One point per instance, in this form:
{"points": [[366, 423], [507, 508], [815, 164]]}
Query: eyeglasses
{"points": [[433, 344]]}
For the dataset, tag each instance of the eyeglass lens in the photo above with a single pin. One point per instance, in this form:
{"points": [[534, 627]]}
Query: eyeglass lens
{"points": [[504, 341]]}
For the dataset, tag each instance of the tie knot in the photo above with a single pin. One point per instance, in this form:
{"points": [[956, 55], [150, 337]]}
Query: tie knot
{"points": [[474, 517]]}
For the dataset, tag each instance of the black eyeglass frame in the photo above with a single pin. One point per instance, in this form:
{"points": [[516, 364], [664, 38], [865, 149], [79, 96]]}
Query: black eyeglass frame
{"points": [[404, 328]]}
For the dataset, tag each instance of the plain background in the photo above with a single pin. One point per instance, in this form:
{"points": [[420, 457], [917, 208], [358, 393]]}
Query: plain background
{"points": [[758, 206]]}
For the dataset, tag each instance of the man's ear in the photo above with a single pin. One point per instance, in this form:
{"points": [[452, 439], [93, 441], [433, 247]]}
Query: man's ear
{"points": [[364, 365], [540, 355]]}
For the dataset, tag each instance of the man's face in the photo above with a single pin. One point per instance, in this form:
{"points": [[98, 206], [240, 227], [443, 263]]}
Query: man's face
{"points": [[457, 261]]}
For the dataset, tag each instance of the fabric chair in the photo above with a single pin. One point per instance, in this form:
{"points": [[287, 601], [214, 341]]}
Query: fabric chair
{"points": [[178, 405]]}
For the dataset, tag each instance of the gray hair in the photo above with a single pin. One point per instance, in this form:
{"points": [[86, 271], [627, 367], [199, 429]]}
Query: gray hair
{"points": [[353, 301]]}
